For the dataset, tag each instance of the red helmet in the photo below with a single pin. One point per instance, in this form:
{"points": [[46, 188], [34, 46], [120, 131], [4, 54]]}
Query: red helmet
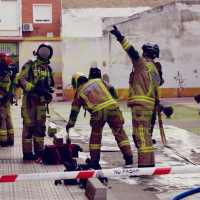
{"points": [[5, 59]]}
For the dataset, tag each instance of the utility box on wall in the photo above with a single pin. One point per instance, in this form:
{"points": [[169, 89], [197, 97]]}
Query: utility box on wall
{"points": [[27, 27]]}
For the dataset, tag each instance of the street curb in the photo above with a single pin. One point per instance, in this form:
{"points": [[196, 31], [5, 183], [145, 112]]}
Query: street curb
{"points": [[95, 190]]}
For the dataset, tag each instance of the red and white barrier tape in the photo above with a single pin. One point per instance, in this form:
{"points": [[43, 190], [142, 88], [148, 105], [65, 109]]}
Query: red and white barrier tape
{"points": [[101, 173]]}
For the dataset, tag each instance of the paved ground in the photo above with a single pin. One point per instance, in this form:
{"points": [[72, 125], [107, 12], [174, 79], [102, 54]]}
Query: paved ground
{"points": [[11, 162], [131, 188], [178, 128]]}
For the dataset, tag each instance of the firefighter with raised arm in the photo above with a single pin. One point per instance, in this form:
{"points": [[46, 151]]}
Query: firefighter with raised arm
{"points": [[100, 99], [6, 99], [36, 79], [143, 92]]}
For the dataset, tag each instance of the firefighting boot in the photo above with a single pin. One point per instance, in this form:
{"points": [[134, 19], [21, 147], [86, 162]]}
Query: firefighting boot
{"points": [[29, 156], [10, 143], [3, 144], [95, 165], [38, 154], [128, 161]]}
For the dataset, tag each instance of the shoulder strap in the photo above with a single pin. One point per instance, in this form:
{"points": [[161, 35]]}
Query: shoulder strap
{"points": [[51, 75]]}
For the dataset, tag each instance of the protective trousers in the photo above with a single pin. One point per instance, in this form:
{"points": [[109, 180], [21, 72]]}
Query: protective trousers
{"points": [[115, 120], [153, 119], [141, 121], [6, 126], [34, 118]]}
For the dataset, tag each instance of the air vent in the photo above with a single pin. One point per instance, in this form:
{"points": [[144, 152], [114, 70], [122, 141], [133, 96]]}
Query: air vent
{"points": [[27, 27]]}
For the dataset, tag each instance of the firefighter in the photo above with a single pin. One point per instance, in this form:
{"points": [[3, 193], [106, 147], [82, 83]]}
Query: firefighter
{"points": [[6, 99], [143, 91], [94, 71], [36, 79], [100, 99]]}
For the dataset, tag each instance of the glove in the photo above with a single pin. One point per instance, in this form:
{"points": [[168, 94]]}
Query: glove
{"points": [[48, 98], [117, 34], [161, 78], [38, 90], [67, 128], [51, 90]]}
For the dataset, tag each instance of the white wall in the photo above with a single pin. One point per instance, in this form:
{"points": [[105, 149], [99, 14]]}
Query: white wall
{"points": [[78, 53], [174, 27], [10, 18], [82, 43], [86, 22]]}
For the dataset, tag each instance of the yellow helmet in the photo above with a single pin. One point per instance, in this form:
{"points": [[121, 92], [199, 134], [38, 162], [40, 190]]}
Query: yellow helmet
{"points": [[31, 59], [75, 78]]}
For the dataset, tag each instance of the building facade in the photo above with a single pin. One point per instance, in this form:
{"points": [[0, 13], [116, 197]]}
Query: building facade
{"points": [[27, 24], [86, 37]]}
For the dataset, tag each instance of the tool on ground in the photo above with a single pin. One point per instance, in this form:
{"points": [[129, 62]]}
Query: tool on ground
{"points": [[71, 164], [164, 141], [68, 138]]}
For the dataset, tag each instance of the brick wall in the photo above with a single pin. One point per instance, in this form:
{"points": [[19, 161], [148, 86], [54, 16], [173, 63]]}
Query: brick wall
{"points": [[66, 4], [42, 29]]}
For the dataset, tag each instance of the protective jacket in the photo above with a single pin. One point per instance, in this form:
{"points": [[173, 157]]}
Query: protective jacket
{"points": [[95, 96], [144, 81], [143, 91], [40, 75]]}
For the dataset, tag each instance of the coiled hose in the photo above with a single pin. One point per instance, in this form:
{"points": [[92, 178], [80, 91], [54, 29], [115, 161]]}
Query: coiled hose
{"points": [[187, 193]]}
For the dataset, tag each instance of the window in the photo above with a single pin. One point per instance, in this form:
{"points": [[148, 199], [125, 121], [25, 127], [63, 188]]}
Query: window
{"points": [[42, 13], [9, 15]]}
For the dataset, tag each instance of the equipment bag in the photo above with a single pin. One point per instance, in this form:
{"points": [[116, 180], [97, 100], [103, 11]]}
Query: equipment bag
{"points": [[58, 154]]}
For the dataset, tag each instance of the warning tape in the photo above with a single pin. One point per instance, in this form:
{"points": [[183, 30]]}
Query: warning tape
{"points": [[101, 173]]}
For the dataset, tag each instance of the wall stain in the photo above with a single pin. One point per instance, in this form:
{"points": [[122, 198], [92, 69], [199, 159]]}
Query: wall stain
{"points": [[187, 15], [195, 71], [179, 78], [104, 63], [105, 32], [166, 54]]}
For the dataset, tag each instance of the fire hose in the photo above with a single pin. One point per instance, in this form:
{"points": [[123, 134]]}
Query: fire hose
{"points": [[164, 141], [115, 172]]}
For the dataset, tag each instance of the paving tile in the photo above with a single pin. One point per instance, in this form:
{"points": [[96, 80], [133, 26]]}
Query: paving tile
{"points": [[11, 162]]}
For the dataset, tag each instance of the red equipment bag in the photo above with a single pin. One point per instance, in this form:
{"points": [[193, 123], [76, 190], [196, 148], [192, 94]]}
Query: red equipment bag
{"points": [[58, 154]]}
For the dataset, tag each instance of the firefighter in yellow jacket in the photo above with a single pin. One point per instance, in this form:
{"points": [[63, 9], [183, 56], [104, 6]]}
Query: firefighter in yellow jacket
{"points": [[36, 79], [100, 100], [143, 92], [6, 98]]}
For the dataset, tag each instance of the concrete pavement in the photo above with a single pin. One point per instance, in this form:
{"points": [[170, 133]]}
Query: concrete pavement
{"points": [[11, 156], [142, 187], [11, 163]]}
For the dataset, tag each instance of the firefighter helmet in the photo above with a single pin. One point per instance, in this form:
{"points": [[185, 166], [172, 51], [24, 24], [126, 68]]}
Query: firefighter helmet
{"points": [[5, 59], [44, 52], [75, 78], [151, 49]]}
